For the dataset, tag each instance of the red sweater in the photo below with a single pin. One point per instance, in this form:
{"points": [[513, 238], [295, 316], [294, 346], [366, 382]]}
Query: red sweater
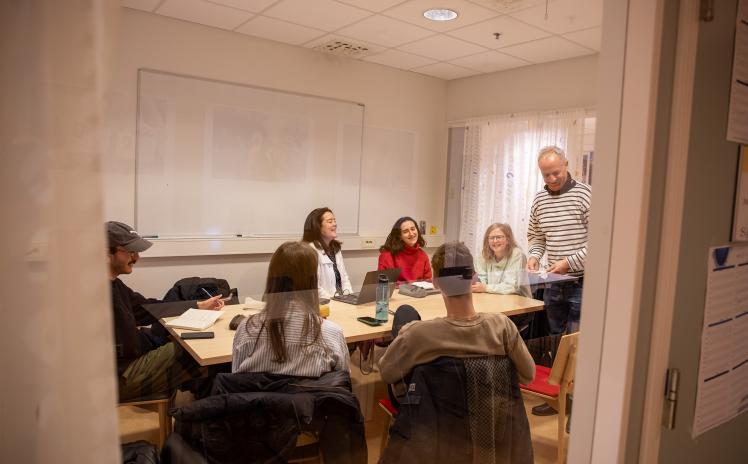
{"points": [[413, 262]]}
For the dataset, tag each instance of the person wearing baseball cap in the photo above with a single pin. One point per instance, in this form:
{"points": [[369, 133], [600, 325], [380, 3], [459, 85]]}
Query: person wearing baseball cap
{"points": [[148, 364]]}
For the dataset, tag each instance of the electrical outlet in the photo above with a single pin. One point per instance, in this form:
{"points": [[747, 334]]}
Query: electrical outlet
{"points": [[367, 243]]}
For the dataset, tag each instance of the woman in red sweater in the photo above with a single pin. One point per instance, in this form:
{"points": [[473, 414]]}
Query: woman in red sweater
{"points": [[403, 249]]}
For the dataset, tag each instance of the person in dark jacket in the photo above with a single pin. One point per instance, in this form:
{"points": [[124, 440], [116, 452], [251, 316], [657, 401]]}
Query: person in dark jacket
{"points": [[147, 364]]}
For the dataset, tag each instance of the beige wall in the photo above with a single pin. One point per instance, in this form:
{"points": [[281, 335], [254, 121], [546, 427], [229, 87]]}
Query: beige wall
{"points": [[394, 99], [557, 85]]}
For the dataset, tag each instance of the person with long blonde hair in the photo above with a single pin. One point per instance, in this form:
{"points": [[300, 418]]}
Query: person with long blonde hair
{"points": [[501, 264]]}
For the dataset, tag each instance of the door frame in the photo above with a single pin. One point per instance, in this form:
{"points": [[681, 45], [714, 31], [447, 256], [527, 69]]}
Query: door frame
{"points": [[614, 298]]}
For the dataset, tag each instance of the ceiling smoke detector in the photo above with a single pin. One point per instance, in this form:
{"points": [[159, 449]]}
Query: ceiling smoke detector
{"points": [[341, 48]]}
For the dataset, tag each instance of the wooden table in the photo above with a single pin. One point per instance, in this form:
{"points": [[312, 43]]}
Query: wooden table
{"points": [[218, 350]]}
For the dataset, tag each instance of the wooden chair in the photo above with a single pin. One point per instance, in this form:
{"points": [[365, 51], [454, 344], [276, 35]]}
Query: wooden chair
{"points": [[160, 406], [556, 383], [391, 412], [307, 449]]}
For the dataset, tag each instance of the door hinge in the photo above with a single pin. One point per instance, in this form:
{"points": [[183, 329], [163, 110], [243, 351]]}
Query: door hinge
{"points": [[671, 398]]}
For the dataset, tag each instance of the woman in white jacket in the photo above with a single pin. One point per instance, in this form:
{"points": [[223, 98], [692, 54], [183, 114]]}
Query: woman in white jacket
{"points": [[321, 232]]}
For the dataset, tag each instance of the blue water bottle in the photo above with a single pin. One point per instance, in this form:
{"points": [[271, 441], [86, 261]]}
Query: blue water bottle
{"points": [[383, 298]]}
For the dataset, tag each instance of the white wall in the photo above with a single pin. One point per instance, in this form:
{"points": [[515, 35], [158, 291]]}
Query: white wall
{"points": [[549, 86], [394, 99]]}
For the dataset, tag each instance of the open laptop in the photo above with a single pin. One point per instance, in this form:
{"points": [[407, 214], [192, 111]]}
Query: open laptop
{"points": [[368, 291]]}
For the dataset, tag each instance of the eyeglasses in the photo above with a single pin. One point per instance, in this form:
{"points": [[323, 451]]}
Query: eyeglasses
{"points": [[496, 238]]}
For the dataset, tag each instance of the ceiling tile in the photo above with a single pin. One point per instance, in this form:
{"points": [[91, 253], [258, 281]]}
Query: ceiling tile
{"points": [[255, 6], [281, 31], [385, 31], [441, 47], [563, 15], [372, 5], [398, 59], [489, 62], [507, 6], [445, 71], [145, 5], [544, 50], [372, 48], [320, 14], [202, 12], [590, 38], [468, 13], [512, 32]]}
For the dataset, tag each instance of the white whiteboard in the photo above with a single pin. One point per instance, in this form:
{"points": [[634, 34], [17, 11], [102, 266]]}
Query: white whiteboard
{"points": [[223, 159]]}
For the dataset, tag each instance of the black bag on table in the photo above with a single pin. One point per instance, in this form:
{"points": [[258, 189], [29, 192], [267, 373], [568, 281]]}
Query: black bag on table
{"points": [[198, 288]]}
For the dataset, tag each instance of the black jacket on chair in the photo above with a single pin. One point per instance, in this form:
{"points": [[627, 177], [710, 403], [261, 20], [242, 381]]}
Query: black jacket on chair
{"points": [[256, 418], [461, 411], [195, 288]]}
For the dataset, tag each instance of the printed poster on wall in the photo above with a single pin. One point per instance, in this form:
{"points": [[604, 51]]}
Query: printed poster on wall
{"points": [[737, 123], [722, 392], [740, 219]]}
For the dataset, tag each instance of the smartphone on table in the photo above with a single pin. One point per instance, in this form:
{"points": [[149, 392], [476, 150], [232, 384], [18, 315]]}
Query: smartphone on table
{"points": [[369, 321], [196, 335]]}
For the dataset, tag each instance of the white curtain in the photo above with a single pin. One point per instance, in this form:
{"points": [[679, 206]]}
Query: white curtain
{"points": [[58, 394], [500, 175]]}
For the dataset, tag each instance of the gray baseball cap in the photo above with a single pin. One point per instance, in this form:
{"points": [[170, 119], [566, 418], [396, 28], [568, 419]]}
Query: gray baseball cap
{"points": [[119, 234]]}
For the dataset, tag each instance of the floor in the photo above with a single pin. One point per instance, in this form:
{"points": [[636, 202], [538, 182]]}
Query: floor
{"points": [[138, 424]]}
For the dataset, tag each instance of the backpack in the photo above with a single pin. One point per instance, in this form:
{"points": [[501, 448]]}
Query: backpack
{"points": [[198, 288]]}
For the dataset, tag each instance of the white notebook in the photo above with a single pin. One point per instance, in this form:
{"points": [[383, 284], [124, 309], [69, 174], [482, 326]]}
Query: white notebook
{"points": [[195, 319]]}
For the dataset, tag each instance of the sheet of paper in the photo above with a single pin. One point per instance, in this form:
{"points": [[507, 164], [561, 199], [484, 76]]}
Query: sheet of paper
{"points": [[723, 368], [737, 124], [423, 284], [195, 319], [251, 303]]}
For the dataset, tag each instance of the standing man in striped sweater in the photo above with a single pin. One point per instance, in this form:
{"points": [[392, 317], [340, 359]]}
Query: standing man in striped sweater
{"points": [[557, 227]]}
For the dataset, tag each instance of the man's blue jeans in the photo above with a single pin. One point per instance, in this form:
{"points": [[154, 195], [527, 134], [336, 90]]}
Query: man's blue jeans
{"points": [[563, 304]]}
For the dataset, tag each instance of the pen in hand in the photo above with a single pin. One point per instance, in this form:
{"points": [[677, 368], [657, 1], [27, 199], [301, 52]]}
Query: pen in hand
{"points": [[206, 292]]}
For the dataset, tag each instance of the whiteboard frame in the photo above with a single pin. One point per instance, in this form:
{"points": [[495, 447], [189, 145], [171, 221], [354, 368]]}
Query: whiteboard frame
{"points": [[173, 247], [264, 239]]}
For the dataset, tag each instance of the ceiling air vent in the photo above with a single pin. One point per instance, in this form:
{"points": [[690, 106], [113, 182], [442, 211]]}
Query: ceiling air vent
{"points": [[342, 48]]}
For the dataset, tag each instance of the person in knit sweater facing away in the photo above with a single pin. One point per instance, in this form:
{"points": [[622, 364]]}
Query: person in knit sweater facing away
{"points": [[404, 249]]}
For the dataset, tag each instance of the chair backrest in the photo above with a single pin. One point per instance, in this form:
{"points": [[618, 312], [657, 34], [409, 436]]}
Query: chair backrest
{"points": [[255, 417], [565, 363], [461, 410]]}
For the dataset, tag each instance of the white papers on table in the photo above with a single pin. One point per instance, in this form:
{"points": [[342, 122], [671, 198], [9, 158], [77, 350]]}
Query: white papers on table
{"points": [[251, 303], [723, 367], [423, 284], [195, 319]]}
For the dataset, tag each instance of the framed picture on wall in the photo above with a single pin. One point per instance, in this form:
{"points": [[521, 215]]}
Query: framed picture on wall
{"points": [[740, 219]]}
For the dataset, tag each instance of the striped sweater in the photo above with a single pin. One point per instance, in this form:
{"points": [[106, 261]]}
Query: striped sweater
{"points": [[253, 353], [558, 225]]}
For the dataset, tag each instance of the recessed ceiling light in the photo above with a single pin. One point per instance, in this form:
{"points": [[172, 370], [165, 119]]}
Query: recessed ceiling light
{"points": [[440, 14]]}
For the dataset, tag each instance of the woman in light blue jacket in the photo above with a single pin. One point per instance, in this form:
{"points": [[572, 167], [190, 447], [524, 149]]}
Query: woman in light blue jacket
{"points": [[501, 264]]}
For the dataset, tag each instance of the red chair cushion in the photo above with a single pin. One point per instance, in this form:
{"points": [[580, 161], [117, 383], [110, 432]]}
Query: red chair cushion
{"points": [[387, 404], [540, 384]]}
